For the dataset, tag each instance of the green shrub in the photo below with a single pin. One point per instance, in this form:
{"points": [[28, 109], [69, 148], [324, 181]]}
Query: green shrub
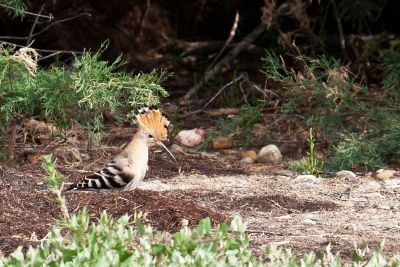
{"points": [[360, 125], [81, 92], [14, 7], [109, 242]]}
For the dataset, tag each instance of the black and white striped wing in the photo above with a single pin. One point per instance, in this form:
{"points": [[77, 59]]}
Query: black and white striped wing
{"points": [[110, 177]]}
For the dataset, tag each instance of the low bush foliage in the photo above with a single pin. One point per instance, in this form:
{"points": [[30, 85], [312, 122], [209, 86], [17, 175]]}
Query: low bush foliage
{"points": [[82, 92], [360, 124], [14, 7]]}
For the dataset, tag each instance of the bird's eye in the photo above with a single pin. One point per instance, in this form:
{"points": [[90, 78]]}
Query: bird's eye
{"points": [[151, 136]]}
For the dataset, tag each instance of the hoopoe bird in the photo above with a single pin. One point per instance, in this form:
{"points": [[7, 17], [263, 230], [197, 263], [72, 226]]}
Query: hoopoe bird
{"points": [[128, 169]]}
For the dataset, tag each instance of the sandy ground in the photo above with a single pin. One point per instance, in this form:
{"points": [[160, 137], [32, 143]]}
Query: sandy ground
{"points": [[300, 214], [278, 207]]}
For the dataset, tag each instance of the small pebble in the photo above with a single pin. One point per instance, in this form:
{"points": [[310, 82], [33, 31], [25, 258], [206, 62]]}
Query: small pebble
{"points": [[223, 142], [308, 221], [384, 174], [284, 217], [310, 216], [346, 175], [270, 153]]}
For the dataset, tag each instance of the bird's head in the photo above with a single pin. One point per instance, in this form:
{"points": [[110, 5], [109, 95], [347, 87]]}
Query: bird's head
{"points": [[153, 127]]}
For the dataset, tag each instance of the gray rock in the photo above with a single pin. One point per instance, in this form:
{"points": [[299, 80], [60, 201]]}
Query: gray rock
{"points": [[349, 175], [306, 179], [270, 153]]}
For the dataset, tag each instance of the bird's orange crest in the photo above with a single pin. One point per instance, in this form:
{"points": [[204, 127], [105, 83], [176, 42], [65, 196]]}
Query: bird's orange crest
{"points": [[151, 118]]}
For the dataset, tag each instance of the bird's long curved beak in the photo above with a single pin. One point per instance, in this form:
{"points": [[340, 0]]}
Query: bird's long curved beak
{"points": [[170, 153]]}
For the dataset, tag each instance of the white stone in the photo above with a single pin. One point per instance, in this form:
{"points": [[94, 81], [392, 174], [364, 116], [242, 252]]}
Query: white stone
{"points": [[306, 179], [190, 138], [311, 216], [346, 174], [308, 221], [269, 153], [284, 217]]}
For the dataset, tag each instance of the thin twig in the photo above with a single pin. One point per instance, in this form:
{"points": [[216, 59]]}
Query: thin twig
{"points": [[50, 55], [34, 25], [198, 16], [44, 29], [49, 17], [339, 25], [144, 16], [44, 50], [60, 21], [227, 59], [230, 38], [213, 98]]}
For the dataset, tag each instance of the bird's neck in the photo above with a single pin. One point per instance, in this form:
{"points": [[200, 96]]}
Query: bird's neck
{"points": [[138, 148]]}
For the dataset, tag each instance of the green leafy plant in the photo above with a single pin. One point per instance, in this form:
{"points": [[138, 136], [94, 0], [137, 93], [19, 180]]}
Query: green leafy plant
{"points": [[55, 181], [14, 7], [309, 164]]}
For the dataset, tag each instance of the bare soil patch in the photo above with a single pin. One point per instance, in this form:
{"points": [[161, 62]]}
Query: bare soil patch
{"points": [[28, 211], [298, 215], [260, 203]]}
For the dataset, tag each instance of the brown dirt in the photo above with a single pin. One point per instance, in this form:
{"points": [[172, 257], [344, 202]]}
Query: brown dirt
{"points": [[28, 211], [277, 209]]}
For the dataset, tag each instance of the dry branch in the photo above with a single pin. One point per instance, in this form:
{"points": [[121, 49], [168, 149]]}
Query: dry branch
{"points": [[230, 38], [144, 16], [248, 40], [29, 39], [240, 77], [49, 17], [44, 29], [339, 25]]}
